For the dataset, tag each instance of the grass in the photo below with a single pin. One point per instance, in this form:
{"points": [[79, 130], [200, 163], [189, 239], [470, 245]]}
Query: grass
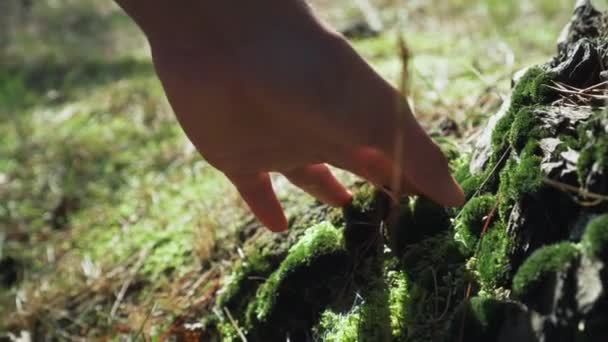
{"points": [[96, 175]]}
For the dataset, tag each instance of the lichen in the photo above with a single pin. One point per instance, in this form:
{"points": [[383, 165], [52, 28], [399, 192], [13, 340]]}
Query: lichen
{"points": [[540, 266]]}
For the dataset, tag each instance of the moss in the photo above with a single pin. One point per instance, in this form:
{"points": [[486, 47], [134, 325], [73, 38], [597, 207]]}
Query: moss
{"points": [[595, 153], [335, 217], [462, 168], [397, 282], [518, 179], [380, 314], [470, 184], [364, 200], [471, 220], [375, 318], [500, 135], [519, 124], [415, 220], [595, 239], [312, 276], [243, 283], [525, 126], [429, 217], [362, 220], [439, 251], [540, 266], [532, 88], [335, 327], [479, 319], [228, 332], [450, 149], [400, 226], [493, 264]]}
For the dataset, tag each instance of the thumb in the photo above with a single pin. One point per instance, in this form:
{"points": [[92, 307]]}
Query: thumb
{"points": [[256, 190]]}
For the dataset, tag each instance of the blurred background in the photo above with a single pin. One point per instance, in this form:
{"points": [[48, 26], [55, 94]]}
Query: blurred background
{"points": [[111, 224]]}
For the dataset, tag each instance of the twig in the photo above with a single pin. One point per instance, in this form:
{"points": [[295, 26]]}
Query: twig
{"points": [[125, 286], [143, 324], [599, 198], [233, 322], [206, 276]]}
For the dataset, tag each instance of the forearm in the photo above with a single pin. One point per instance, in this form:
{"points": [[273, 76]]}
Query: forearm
{"points": [[221, 22]]}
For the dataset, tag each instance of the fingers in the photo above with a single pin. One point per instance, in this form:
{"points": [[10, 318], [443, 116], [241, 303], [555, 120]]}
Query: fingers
{"points": [[422, 172], [425, 165], [381, 171], [256, 190], [385, 144], [319, 181]]}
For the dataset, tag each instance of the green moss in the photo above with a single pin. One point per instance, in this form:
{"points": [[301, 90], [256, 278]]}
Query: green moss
{"points": [[379, 316], [519, 124], [415, 220], [532, 88], [518, 179], [365, 198], [462, 167], [375, 323], [525, 126], [500, 135], [493, 264], [450, 149], [595, 153], [335, 327], [471, 184], [399, 227], [429, 217], [540, 266], [397, 282], [363, 218], [312, 276], [595, 239], [478, 320], [228, 332], [471, 220], [243, 283]]}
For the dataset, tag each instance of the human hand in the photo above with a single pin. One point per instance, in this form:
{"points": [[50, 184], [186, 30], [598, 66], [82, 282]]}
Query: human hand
{"points": [[292, 97]]}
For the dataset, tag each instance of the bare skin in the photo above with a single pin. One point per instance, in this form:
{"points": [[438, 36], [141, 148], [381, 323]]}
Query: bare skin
{"points": [[263, 86]]}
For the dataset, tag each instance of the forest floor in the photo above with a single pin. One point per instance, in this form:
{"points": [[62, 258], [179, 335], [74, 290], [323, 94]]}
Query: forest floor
{"points": [[111, 224]]}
